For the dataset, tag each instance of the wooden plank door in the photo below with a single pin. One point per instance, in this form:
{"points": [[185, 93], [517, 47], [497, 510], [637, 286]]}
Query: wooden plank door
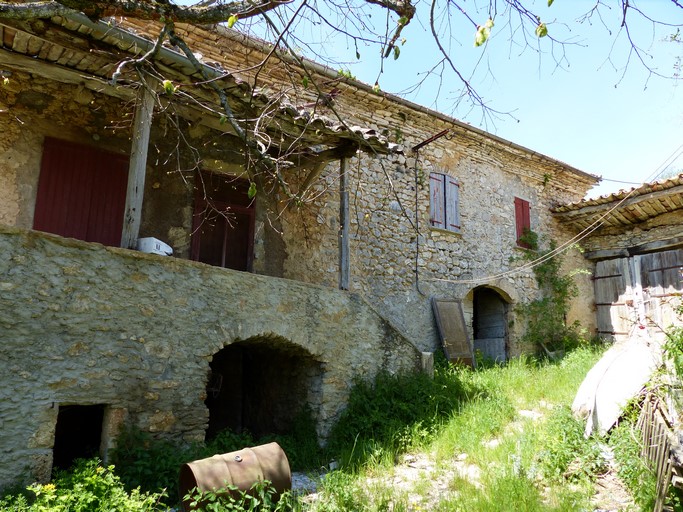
{"points": [[614, 300], [81, 192], [660, 275]]}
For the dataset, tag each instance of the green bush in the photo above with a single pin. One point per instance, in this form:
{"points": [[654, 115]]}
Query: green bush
{"points": [[151, 464], [545, 317], [394, 412], [87, 487], [261, 497]]}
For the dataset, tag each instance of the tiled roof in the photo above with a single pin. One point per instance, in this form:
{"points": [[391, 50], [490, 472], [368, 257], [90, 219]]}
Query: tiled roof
{"points": [[626, 207], [94, 49]]}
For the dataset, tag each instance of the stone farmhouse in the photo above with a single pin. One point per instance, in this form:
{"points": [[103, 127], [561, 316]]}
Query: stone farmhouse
{"points": [[266, 305]]}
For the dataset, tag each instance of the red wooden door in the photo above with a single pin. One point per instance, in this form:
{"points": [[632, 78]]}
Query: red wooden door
{"points": [[223, 231], [81, 192]]}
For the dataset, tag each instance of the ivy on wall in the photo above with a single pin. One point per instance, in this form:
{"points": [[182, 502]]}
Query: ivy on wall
{"points": [[546, 325]]}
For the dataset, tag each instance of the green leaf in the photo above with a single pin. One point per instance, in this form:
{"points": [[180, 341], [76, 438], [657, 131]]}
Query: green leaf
{"points": [[252, 190], [168, 87], [357, 55], [541, 30], [397, 52], [550, 2], [489, 23], [223, 120], [375, 88], [232, 20], [304, 81], [482, 35], [403, 21]]}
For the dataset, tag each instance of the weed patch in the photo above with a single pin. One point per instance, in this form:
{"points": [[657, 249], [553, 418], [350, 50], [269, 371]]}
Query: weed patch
{"points": [[86, 487]]}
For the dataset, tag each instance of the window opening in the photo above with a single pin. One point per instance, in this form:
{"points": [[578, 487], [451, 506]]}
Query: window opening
{"points": [[78, 434]]}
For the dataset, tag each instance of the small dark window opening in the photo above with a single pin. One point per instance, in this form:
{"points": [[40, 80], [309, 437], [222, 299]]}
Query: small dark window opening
{"points": [[78, 434]]}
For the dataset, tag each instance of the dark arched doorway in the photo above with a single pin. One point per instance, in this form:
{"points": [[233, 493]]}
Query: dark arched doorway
{"points": [[489, 324], [260, 385]]}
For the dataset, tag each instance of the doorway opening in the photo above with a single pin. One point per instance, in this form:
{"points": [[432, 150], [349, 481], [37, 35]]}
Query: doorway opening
{"points": [[490, 325], [78, 434], [223, 222], [260, 385]]}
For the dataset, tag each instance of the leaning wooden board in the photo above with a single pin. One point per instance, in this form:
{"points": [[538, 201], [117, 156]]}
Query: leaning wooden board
{"points": [[450, 321]]}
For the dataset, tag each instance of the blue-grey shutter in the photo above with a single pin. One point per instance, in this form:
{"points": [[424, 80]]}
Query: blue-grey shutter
{"points": [[437, 210], [452, 204]]}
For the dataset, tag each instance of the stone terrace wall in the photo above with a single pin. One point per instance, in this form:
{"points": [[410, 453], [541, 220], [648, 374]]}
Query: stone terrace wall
{"points": [[85, 324]]}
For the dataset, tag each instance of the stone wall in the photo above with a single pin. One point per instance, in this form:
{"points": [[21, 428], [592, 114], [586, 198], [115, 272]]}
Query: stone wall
{"points": [[391, 236], [665, 226], [84, 324], [399, 261]]}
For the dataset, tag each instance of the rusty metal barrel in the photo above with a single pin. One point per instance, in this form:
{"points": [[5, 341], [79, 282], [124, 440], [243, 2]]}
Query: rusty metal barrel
{"points": [[241, 469]]}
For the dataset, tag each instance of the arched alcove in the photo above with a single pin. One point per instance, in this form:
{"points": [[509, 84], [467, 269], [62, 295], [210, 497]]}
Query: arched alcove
{"points": [[490, 323], [260, 385]]}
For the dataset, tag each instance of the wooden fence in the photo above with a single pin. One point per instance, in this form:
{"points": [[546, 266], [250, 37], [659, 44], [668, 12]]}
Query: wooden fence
{"points": [[655, 425]]}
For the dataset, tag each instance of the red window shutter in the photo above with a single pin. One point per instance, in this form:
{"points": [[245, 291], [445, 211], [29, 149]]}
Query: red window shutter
{"points": [[437, 203], [522, 220], [81, 192], [452, 204]]}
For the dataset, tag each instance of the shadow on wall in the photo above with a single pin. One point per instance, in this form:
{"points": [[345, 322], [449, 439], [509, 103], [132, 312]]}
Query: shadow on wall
{"points": [[260, 385]]}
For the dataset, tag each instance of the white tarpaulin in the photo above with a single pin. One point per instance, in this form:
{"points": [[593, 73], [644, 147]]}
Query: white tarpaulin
{"points": [[614, 380]]}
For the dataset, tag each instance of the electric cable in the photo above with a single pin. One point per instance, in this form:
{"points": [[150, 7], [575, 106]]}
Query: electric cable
{"points": [[574, 240]]}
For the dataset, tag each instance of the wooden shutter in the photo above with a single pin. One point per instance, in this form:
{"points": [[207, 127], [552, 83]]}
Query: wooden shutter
{"points": [[437, 206], [452, 204], [450, 321], [522, 219], [81, 192]]}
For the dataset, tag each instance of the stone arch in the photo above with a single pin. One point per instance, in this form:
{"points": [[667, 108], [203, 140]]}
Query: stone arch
{"points": [[488, 311], [261, 384]]}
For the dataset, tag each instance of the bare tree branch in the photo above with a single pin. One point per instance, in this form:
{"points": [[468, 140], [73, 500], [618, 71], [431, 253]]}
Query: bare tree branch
{"points": [[141, 9]]}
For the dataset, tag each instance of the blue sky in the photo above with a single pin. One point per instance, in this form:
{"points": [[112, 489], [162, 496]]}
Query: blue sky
{"points": [[586, 112]]}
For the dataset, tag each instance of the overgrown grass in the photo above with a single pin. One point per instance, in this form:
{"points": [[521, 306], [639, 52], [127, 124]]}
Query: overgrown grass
{"points": [[511, 423], [394, 414], [526, 461], [626, 441]]}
